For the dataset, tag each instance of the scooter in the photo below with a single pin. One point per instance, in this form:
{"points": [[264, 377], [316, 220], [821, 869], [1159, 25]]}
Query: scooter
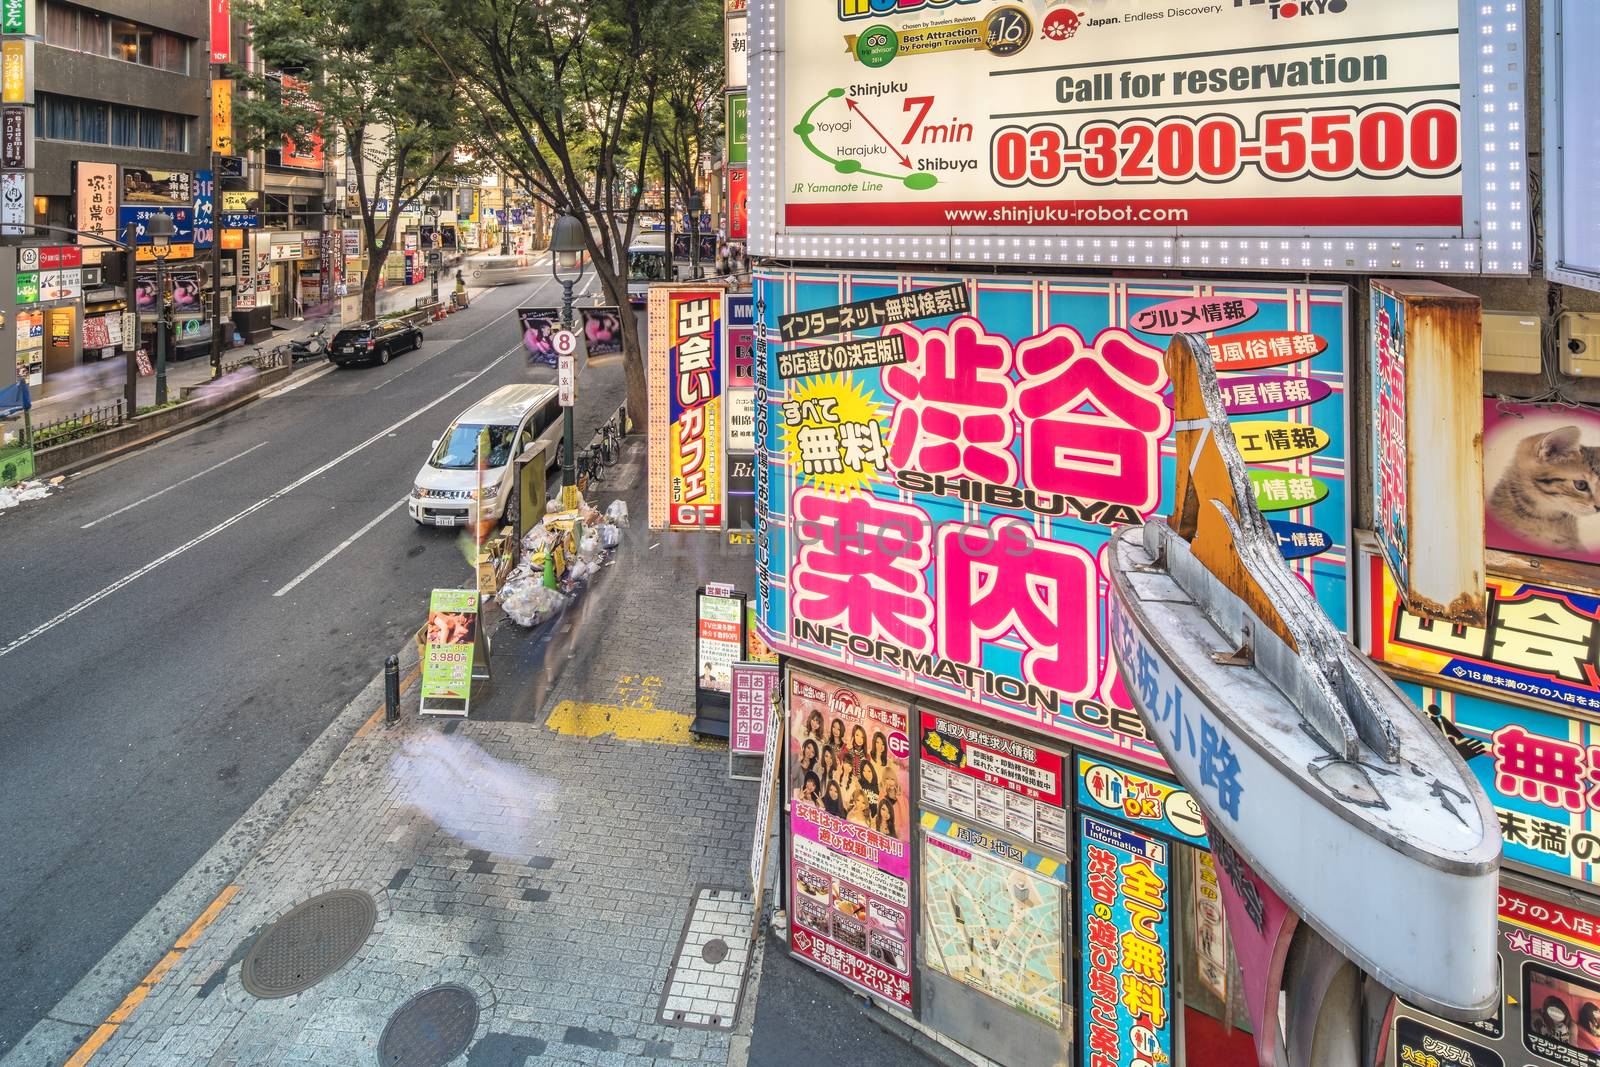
{"points": [[313, 347]]}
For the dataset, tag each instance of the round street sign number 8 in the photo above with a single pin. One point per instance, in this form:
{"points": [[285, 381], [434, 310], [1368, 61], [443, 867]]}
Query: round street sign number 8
{"points": [[565, 342]]}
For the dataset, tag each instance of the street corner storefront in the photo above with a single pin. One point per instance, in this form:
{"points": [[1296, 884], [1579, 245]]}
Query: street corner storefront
{"points": [[981, 834], [49, 322]]}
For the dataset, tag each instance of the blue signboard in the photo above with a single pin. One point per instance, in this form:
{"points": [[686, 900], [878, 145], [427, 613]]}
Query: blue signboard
{"points": [[205, 209], [182, 222], [1149, 801], [240, 220], [1125, 888]]}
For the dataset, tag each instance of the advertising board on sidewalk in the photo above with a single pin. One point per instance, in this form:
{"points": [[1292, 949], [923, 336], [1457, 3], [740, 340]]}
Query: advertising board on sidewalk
{"points": [[450, 640]]}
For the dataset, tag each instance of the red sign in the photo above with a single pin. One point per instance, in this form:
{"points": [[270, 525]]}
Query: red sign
{"points": [[738, 203], [309, 155], [60, 257], [995, 759], [221, 32]]}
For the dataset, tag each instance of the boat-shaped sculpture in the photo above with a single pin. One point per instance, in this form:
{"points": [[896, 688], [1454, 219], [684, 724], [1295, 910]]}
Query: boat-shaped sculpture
{"points": [[1339, 793]]}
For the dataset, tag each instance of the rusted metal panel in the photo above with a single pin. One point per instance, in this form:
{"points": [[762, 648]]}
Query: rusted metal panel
{"points": [[1427, 429]]}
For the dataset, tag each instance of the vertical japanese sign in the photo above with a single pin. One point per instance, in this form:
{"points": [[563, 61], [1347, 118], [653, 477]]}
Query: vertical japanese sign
{"points": [[921, 427], [738, 203], [1125, 886], [221, 32], [14, 71], [13, 138], [1427, 446], [686, 410], [736, 47], [849, 821], [205, 209], [737, 127], [450, 636], [96, 200], [740, 410], [755, 687], [222, 116], [14, 16]]}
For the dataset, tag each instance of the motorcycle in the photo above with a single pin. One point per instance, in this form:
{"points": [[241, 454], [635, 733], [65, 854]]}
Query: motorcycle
{"points": [[313, 347]]}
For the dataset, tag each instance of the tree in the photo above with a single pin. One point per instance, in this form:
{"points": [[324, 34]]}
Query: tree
{"points": [[359, 76], [691, 100], [564, 96]]}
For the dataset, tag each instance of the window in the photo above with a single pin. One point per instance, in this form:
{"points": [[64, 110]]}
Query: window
{"points": [[81, 30], [61, 25], [64, 118]]}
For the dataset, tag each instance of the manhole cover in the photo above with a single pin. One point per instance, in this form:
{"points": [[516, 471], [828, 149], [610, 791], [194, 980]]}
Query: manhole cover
{"points": [[714, 951], [313, 940], [430, 1029]]}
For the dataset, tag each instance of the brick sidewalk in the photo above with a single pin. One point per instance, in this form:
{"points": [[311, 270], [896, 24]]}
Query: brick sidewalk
{"points": [[530, 853]]}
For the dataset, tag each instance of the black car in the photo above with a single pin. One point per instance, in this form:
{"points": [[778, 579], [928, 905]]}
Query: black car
{"points": [[373, 342]]}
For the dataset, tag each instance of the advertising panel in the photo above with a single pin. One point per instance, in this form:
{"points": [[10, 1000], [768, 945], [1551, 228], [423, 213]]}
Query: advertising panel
{"points": [[1125, 884], [1150, 803], [1132, 119], [96, 200], [14, 56], [719, 641], [172, 188], [14, 15], [1010, 786], [736, 49], [737, 127], [451, 638], [738, 203], [182, 221], [222, 115], [740, 393], [602, 331], [1550, 996], [294, 154], [849, 821], [1541, 646], [221, 32], [13, 137], [686, 408], [13, 201], [755, 688], [539, 328], [944, 460], [205, 209], [995, 926], [1541, 479]]}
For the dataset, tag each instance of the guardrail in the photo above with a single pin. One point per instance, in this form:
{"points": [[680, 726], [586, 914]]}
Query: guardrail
{"points": [[260, 360], [80, 423]]}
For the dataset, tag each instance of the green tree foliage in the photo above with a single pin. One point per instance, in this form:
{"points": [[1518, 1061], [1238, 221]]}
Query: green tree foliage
{"points": [[567, 97], [370, 90]]}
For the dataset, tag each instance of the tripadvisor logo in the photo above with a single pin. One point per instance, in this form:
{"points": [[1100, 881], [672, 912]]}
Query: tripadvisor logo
{"points": [[1290, 9]]}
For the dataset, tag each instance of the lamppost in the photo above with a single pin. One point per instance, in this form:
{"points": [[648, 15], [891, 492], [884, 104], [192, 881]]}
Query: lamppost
{"points": [[160, 230], [566, 263]]}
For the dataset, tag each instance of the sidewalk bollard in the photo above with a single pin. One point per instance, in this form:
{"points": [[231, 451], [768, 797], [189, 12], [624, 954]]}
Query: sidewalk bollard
{"points": [[391, 690]]}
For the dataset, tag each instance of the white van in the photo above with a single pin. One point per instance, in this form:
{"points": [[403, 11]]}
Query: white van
{"points": [[647, 263], [519, 418]]}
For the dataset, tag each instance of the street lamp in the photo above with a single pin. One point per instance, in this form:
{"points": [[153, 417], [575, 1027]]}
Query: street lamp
{"points": [[566, 263], [160, 230]]}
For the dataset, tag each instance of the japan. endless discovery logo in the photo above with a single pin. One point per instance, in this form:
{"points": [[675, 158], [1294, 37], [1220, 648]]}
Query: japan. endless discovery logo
{"points": [[1289, 9]]}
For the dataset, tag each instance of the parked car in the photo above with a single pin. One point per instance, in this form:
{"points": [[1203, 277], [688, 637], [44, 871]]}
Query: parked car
{"points": [[520, 419], [374, 342]]}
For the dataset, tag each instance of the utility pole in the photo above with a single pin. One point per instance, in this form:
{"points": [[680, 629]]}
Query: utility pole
{"points": [[130, 346], [216, 231]]}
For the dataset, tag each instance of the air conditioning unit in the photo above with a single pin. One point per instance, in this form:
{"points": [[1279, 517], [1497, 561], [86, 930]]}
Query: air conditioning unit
{"points": [[1510, 343]]}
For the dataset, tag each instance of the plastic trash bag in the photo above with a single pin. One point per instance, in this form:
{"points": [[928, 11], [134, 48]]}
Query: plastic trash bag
{"points": [[617, 513], [527, 602]]}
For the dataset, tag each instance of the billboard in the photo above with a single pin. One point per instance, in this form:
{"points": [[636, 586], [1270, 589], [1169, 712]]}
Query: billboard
{"points": [[294, 154], [1012, 132], [850, 821], [1125, 884], [686, 407], [96, 201], [221, 32], [943, 460]]}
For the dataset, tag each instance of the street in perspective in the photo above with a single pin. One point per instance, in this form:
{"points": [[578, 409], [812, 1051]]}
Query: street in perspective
{"points": [[740, 533]]}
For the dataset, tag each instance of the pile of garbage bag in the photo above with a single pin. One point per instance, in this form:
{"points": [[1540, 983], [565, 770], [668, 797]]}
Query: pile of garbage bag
{"points": [[559, 556], [11, 496]]}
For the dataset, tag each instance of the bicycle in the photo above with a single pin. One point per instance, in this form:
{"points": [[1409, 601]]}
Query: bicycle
{"points": [[589, 470], [610, 442]]}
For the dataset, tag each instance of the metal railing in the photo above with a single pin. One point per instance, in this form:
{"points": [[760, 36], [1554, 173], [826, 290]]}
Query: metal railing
{"points": [[262, 359], [80, 423]]}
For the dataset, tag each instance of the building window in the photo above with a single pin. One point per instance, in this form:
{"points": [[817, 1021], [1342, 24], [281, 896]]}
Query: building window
{"points": [[81, 30], [65, 118]]}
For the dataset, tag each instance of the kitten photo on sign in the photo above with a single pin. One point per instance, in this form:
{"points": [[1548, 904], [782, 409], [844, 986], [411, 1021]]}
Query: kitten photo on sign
{"points": [[1541, 480]]}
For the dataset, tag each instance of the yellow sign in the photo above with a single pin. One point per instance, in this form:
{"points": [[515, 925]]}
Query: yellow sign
{"points": [[222, 116], [232, 238], [14, 72], [147, 253]]}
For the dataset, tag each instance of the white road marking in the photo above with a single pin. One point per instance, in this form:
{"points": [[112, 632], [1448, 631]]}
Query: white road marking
{"points": [[174, 485], [127, 579], [346, 543]]}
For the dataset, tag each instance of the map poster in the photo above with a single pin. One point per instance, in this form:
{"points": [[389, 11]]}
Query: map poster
{"points": [[1012, 787], [849, 822], [994, 926], [1125, 883]]}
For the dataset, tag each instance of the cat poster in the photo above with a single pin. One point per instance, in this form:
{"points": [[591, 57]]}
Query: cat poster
{"points": [[1541, 480]]}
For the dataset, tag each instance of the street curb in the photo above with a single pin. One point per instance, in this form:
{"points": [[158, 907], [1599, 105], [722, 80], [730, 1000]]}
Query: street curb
{"points": [[97, 994]]}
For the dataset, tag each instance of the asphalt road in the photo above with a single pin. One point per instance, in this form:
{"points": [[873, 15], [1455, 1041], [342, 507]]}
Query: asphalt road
{"points": [[152, 683]]}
